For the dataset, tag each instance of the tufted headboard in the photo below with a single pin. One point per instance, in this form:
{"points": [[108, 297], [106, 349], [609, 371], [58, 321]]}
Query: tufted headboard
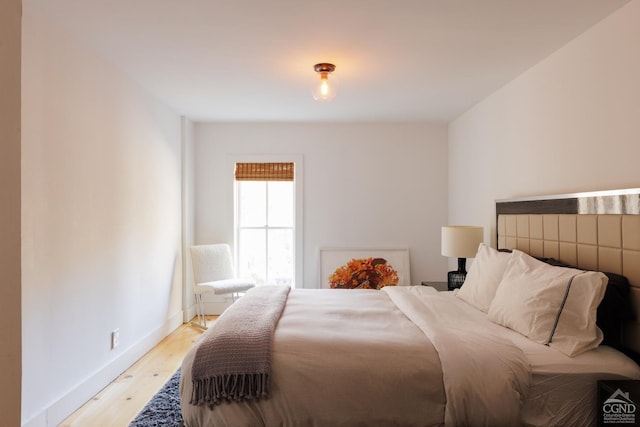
{"points": [[594, 231]]}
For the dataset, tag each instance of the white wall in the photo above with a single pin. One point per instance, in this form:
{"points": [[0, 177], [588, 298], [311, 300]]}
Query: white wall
{"points": [[101, 241], [364, 185], [188, 215], [10, 307], [571, 123]]}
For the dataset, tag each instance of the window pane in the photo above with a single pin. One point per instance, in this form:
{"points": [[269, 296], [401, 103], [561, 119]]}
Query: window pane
{"points": [[252, 255], [252, 206], [280, 265], [281, 204]]}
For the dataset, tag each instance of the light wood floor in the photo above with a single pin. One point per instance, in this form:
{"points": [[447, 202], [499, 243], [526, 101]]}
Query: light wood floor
{"points": [[119, 403]]}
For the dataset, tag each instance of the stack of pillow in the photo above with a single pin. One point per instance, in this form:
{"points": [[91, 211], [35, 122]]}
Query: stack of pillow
{"points": [[551, 305]]}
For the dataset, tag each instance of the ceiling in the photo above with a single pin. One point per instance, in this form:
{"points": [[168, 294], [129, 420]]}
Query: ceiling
{"points": [[252, 60]]}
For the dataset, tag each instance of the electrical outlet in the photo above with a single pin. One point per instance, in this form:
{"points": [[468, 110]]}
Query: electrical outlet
{"points": [[115, 338]]}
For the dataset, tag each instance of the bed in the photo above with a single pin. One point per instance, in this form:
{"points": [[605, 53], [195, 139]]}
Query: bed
{"points": [[413, 356]]}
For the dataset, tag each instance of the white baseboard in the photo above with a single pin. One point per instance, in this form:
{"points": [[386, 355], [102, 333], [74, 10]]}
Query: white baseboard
{"points": [[55, 413], [189, 313]]}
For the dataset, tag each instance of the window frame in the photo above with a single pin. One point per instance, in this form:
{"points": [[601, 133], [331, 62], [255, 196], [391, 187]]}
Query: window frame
{"points": [[298, 228]]}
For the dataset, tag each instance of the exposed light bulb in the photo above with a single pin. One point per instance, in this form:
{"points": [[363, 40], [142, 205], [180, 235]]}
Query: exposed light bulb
{"points": [[324, 87], [324, 91]]}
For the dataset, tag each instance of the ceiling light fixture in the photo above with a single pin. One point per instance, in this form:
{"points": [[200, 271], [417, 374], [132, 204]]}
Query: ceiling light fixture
{"points": [[324, 91]]}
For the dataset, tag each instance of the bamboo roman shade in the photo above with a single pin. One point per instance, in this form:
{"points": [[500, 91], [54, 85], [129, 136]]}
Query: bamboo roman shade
{"points": [[264, 171]]}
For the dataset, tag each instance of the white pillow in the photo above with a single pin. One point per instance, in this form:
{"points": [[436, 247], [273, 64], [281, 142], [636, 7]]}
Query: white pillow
{"points": [[555, 306], [483, 277]]}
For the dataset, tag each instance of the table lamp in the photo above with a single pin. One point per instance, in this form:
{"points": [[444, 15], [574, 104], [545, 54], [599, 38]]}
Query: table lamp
{"points": [[460, 241]]}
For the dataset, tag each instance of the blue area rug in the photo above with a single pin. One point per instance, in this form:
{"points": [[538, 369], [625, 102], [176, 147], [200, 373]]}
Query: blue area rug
{"points": [[163, 410]]}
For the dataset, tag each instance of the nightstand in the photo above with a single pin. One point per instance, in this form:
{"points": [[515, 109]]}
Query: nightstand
{"points": [[441, 286]]}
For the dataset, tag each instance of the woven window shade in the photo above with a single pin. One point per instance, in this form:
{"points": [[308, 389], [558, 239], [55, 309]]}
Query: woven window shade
{"points": [[264, 171]]}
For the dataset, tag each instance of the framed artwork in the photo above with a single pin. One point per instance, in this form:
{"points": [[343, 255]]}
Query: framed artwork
{"points": [[367, 268]]}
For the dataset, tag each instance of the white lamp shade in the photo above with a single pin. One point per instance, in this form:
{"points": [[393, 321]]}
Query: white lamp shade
{"points": [[461, 241]]}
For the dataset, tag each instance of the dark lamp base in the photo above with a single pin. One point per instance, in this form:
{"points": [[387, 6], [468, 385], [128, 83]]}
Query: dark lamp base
{"points": [[455, 279]]}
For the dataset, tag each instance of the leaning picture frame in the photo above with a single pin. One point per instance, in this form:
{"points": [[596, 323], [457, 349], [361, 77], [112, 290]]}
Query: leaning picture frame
{"points": [[333, 258]]}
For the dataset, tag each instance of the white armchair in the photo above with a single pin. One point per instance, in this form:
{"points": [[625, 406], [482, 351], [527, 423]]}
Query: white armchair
{"points": [[213, 272]]}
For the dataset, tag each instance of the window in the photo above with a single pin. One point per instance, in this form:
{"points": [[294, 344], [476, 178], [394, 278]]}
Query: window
{"points": [[265, 222]]}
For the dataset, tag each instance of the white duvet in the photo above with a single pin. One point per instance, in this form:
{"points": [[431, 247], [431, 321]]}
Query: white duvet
{"points": [[403, 356], [486, 378]]}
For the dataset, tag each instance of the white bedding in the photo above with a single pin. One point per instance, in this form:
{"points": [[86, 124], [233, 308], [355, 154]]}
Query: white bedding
{"points": [[340, 358], [563, 390], [486, 378], [349, 357]]}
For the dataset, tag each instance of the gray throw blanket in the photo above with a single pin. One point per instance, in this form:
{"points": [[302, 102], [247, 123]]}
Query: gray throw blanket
{"points": [[233, 359]]}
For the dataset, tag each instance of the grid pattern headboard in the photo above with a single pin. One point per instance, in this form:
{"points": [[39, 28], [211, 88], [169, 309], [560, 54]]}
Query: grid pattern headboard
{"points": [[593, 231]]}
